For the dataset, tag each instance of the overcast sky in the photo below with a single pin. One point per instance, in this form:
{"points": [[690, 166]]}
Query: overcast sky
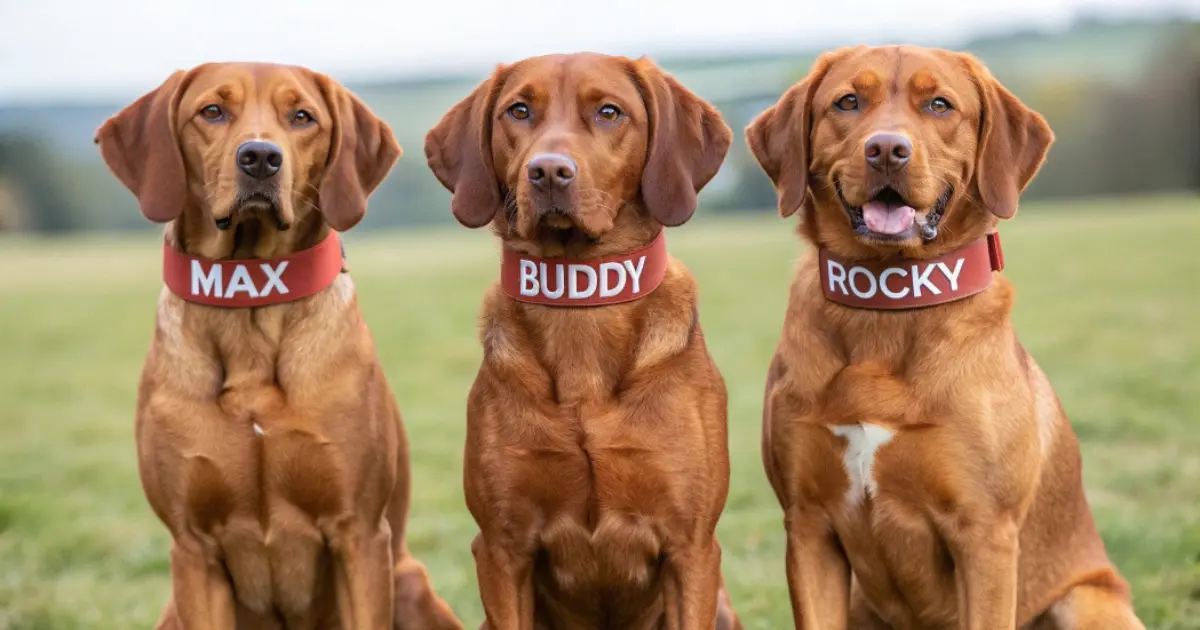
{"points": [[89, 48]]}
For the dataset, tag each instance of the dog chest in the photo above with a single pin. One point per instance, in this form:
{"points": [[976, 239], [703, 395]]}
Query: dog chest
{"points": [[600, 521], [883, 525], [621, 552], [259, 512]]}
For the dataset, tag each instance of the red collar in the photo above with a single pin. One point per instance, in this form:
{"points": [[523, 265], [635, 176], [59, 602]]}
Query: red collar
{"points": [[595, 282], [905, 283], [249, 283]]}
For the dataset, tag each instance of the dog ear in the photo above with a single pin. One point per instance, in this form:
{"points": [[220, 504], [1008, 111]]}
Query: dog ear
{"points": [[1013, 142], [779, 137], [140, 146], [459, 152], [362, 151], [688, 143]]}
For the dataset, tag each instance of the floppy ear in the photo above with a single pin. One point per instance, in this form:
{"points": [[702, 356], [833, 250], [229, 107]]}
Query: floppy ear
{"points": [[141, 148], [779, 138], [459, 152], [688, 143], [361, 153], [1013, 142]]}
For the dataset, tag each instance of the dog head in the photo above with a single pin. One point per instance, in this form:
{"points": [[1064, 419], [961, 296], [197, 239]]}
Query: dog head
{"points": [[249, 142], [562, 149], [898, 150]]}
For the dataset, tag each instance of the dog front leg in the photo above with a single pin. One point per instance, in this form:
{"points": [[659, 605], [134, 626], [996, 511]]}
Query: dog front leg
{"points": [[818, 573], [201, 589], [986, 577], [505, 586], [691, 597], [362, 557]]}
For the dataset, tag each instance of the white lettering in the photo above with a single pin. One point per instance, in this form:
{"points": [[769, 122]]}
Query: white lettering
{"points": [[838, 278], [211, 283], [553, 295], [274, 279], [854, 287], [607, 290], [636, 273], [923, 280], [953, 277], [573, 272], [529, 281], [240, 281], [883, 282]]}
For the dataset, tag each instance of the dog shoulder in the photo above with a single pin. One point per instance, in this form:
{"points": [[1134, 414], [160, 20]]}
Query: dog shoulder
{"points": [[673, 314]]}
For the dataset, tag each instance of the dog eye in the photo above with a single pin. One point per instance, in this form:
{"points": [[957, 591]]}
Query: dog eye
{"points": [[847, 103], [212, 113], [940, 105], [302, 117], [519, 111], [610, 113]]}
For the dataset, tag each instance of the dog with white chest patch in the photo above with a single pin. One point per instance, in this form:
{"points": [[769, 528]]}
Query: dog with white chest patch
{"points": [[928, 475]]}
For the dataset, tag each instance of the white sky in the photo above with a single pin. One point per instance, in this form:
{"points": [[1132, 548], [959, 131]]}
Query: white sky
{"points": [[90, 48]]}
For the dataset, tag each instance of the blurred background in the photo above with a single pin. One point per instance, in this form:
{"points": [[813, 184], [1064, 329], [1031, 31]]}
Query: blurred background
{"points": [[1102, 253], [1119, 81]]}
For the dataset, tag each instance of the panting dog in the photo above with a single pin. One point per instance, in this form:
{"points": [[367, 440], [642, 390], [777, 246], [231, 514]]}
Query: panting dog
{"points": [[928, 475]]}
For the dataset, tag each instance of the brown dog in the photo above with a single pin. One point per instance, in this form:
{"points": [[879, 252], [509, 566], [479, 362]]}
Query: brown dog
{"points": [[268, 440], [910, 439], [596, 461]]}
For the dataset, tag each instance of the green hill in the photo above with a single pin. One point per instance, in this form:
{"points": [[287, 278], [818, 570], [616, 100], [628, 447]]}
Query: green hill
{"points": [[1067, 75]]}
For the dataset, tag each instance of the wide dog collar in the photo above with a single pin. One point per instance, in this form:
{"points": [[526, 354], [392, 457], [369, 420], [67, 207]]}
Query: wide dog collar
{"points": [[250, 283], [904, 283], [593, 282]]}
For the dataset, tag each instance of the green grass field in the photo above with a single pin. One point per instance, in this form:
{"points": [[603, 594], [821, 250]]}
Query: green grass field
{"points": [[1108, 301]]}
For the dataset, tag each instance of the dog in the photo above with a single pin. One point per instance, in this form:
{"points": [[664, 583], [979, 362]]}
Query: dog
{"points": [[269, 443], [597, 460], [928, 474]]}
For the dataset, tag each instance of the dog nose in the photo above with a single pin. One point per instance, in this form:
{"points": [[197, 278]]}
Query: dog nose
{"points": [[551, 171], [258, 159], [888, 152]]}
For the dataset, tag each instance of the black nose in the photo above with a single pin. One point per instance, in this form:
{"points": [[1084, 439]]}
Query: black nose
{"points": [[258, 159], [551, 171], [888, 152]]}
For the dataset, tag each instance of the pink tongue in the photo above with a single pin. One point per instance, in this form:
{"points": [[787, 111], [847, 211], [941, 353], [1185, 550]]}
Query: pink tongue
{"points": [[884, 219]]}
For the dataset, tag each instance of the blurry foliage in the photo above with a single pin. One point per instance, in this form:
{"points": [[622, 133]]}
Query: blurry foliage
{"points": [[31, 177], [1123, 99], [1126, 137]]}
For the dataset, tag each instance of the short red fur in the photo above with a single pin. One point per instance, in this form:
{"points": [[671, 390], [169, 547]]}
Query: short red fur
{"points": [[268, 440], [597, 462], [928, 474]]}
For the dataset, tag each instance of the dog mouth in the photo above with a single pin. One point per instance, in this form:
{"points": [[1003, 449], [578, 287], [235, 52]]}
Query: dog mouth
{"points": [[557, 218], [556, 226], [888, 216], [252, 203]]}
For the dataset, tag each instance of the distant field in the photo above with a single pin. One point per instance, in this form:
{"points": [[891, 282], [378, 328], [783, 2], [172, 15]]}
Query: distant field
{"points": [[1108, 301]]}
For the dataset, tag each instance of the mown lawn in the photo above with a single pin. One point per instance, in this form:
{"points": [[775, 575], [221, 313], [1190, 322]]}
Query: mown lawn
{"points": [[1109, 302]]}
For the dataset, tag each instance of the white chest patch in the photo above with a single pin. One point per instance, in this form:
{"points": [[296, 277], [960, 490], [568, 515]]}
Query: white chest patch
{"points": [[862, 440]]}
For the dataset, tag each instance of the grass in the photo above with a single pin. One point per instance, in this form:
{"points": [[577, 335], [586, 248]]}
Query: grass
{"points": [[1108, 300]]}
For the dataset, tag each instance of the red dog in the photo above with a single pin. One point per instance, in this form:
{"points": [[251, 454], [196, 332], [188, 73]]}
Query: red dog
{"points": [[268, 440], [911, 440], [596, 462]]}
